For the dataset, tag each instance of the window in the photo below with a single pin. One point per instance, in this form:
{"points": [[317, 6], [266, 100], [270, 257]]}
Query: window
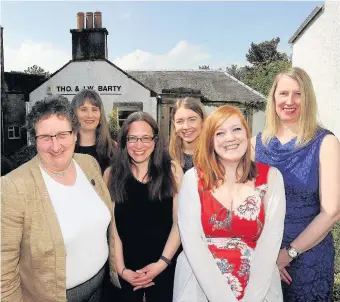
{"points": [[14, 132], [125, 109]]}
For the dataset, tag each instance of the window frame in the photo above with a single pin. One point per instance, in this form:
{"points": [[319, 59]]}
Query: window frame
{"points": [[127, 106], [11, 132]]}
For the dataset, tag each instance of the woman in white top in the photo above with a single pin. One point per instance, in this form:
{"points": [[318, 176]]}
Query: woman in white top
{"points": [[231, 216], [56, 210]]}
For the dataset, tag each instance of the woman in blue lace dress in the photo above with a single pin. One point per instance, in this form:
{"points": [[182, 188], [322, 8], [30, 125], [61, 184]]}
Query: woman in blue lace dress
{"points": [[308, 157]]}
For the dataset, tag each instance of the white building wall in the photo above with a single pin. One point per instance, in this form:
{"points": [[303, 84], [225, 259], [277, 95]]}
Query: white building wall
{"points": [[258, 122], [317, 51], [96, 74]]}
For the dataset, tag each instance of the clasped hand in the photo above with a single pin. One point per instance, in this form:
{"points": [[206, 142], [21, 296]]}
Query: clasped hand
{"points": [[143, 278]]}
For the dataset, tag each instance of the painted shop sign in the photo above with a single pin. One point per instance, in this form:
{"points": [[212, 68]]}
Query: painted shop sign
{"points": [[74, 89]]}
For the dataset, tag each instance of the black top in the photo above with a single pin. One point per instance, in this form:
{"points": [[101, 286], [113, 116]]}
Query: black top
{"points": [[143, 225], [104, 162], [188, 162]]}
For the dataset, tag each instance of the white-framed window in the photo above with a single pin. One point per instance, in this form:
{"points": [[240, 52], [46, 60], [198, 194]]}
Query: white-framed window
{"points": [[14, 132], [125, 109]]}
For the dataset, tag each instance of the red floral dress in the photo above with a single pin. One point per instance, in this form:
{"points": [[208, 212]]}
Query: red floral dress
{"points": [[232, 235]]}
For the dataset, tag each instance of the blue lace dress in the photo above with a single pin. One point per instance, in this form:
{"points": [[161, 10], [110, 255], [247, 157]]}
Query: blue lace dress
{"points": [[313, 271]]}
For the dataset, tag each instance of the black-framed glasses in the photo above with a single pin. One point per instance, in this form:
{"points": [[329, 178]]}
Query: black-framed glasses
{"points": [[144, 139], [45, 138]]}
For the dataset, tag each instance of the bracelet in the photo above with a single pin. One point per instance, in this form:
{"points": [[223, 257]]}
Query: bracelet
{"points": [[166, 260], [123, 271]]}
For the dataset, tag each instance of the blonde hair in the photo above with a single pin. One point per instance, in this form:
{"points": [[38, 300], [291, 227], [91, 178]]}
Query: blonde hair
{"points": [[206, 159], [176, 143], [308, 125]]}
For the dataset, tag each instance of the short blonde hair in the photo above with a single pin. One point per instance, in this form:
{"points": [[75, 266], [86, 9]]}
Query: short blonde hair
{"points": [[308, 125]]}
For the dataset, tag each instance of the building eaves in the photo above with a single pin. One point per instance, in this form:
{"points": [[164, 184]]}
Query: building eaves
{"points": [[313, 15], [216, 86], [16, 82], [152, 93]]}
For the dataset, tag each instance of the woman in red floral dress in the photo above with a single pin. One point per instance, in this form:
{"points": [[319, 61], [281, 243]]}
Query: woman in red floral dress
{"points": [[231, 216]]}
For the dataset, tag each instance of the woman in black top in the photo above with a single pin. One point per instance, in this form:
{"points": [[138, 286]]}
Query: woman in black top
{"points": [[94, 135], [143, 182], [187, 117]]}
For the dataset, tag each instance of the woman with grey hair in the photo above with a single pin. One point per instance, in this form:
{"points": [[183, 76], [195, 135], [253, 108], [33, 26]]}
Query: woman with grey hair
{"points": [[94, 136], [56, 210]]}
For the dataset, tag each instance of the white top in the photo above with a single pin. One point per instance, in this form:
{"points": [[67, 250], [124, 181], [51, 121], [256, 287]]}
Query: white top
{"points": [[84, 219], [198, 277]]}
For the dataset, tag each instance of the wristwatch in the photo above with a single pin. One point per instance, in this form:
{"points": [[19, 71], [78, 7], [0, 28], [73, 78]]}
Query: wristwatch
{"points": [[292, 252]]}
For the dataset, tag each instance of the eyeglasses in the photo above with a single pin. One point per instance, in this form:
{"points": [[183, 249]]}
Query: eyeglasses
{"points": [[61, 136], [143, 139]]}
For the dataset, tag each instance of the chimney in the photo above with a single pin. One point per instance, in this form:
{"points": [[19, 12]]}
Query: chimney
{"points": [[89, 20], [89, 42], [80, 21], [97, 20]]}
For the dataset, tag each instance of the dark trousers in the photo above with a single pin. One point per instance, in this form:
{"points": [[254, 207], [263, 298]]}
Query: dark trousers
{"points": [[89, 291]]}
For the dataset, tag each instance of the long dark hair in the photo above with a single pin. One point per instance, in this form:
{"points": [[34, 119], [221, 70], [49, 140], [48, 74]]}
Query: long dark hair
{"points": [[104, 143], [161, 179]]}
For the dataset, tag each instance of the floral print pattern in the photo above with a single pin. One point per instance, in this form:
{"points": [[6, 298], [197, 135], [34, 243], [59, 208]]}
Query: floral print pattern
{"points": [[232, 235]]}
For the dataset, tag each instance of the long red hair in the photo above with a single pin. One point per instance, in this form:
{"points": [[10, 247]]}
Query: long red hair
{"points": [[207, 161]]}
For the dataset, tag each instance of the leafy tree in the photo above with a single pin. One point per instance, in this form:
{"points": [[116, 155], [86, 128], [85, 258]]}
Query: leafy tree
{"points": [[261, 77], [35, 69], [204, 67], [266, 62], [238, 72], [265, 52]]}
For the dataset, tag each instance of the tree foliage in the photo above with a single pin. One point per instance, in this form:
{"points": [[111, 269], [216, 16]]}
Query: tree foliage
{"points": [[113, 122], [204, 67], [265, 52], [266, 62], [35, 69], [261, 77], [23, 155], [238, 72]]}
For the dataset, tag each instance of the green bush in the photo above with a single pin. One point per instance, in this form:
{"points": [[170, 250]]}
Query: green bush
{"points": [[336, 291], [114, 124], [23, 155], [6, 165], [336, 235]]}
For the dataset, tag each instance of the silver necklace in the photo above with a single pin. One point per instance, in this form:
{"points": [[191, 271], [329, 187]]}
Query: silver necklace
{"points": [[57, 174]]}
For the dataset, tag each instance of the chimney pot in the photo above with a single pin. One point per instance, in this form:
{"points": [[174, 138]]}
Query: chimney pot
{"points": [[97, 20], [89, 20], [80, 20]]}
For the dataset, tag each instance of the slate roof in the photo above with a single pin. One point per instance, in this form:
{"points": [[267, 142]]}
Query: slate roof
{"points": [[312, 16], [215, 85]]}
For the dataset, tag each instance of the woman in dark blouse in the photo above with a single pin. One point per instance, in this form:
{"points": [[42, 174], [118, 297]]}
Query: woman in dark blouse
{"points": [[94, 135], [143, 182], [187, 118]]}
